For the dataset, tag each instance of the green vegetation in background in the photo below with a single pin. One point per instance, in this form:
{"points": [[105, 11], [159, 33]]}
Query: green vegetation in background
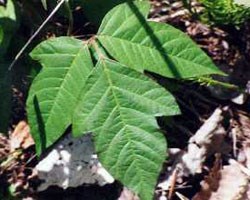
{"points": [[225, 12]]}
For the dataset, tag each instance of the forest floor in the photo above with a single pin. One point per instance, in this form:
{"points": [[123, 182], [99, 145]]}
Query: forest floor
{"points": [[222, 168]]}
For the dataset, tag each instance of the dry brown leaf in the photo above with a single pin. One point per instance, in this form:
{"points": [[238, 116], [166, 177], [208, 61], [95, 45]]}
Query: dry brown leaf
{"points": [[21, 137], [246, 149], [241, 125], [241, 130], [247, 194], [228, 183]]}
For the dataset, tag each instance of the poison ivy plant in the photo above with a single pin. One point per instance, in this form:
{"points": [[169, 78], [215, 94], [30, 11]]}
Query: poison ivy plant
{"points": [[114, 99]]}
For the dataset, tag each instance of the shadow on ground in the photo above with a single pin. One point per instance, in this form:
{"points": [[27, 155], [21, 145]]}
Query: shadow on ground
{"points": [[107, 192]]}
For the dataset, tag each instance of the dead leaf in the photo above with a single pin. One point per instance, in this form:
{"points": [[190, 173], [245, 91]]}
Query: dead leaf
{"points": [[241, 130], [21, 137], [228, 183]]}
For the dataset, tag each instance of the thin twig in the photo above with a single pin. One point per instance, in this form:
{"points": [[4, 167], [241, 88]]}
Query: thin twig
{"points": [[172, 184], [35, 34], [71, 19]]}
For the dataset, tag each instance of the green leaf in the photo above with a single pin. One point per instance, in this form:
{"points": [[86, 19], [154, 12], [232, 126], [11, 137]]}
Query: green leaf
{"points": [[5, 97], [225, 12], [118, 105], [8, 25], [124, 13], [44, 3], [151, 46], [54, 93]]}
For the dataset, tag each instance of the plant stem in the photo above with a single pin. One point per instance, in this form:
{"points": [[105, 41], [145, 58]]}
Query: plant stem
{"points": [[71, 19], [101, 54], [213, 82]]}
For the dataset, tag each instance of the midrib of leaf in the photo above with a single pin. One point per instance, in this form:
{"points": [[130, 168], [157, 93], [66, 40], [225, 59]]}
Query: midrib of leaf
{"points": [[131, 142], [113, 87], [64, 81], [118, 106], [152, 49]]}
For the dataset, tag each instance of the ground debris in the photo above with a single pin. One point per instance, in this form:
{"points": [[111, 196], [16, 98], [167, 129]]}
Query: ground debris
{"points": [[4, 147], [227, 182], [127, 194], [209, 139], [21, 137]]}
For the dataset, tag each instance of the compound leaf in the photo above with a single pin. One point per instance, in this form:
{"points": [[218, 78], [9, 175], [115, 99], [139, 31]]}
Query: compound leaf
{"points": [[119, 106], [151, 46], [54, 92]]}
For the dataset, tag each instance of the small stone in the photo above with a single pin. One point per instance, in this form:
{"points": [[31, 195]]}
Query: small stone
{"points": [[240, 99], [71, 163], [163, 198]]}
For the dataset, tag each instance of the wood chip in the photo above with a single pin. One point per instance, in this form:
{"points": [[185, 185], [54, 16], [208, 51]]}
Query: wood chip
{"points": [[21, 137]]}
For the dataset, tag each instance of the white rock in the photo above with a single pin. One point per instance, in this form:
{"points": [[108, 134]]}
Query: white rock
{"points": [[240, 99], [71, 163]]}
